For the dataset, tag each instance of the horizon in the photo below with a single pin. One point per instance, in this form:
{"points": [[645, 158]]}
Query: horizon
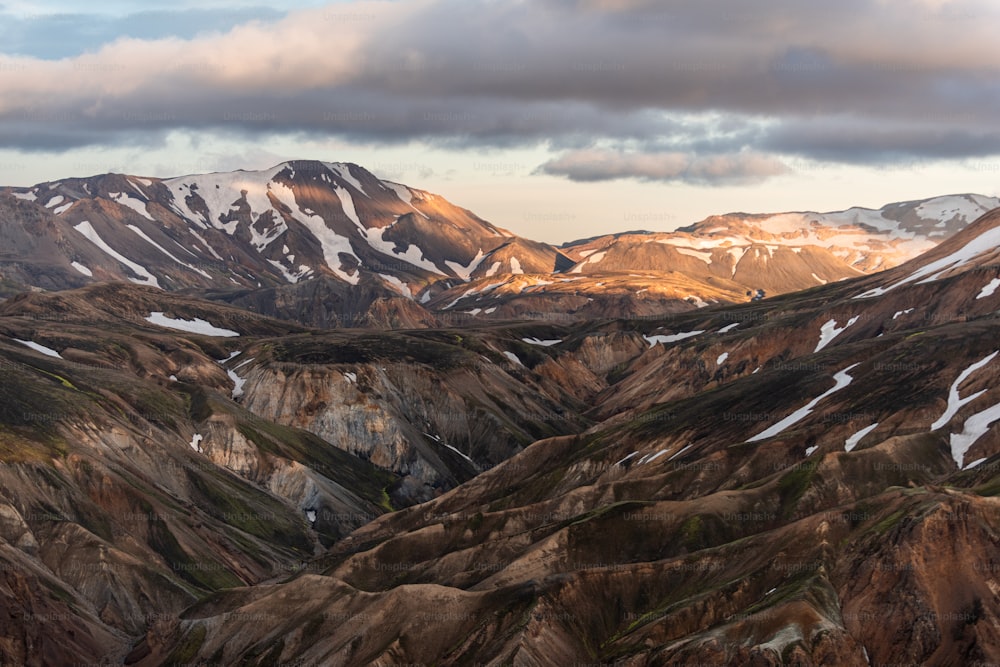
{"points": [[557, 242], [557, 120]]}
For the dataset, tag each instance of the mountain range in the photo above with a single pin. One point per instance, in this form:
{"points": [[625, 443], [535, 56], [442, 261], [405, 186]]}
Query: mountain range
{"points": [[197, 469], [329, 244]]}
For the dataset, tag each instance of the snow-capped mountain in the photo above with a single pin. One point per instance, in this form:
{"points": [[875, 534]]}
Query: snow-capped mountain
{"points": [[734, 245], [328, 243], [295, 221], [744, 484]]}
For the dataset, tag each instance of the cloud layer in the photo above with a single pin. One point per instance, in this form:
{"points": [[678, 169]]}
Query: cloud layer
{"points": [[653, 90], [726, 169]]}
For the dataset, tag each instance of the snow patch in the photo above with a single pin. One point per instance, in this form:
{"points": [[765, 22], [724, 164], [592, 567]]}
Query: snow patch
{"points": [[347, 204], [465, 272], [332, 243], [975, 427], [696, 300], [196, 442], [593, 259], [546, 343], [91, 234], [136, 205], [238, 383], [413, 254], [288, 275], [141, 234], [402, 287], [853, 441], [955, 402], [722, 359], [344, 171], [841, 380], [697, 254], [405, 195], [830, 330], [513, 358], [82, 269], [655, 456], [196, 326], [47, 351], [989, 289], [621, 461], [207, 247], [684, 449], [672, 338]]}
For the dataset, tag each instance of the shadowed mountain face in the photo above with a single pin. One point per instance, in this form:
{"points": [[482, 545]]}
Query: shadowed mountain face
{"points": [[330, 244]]}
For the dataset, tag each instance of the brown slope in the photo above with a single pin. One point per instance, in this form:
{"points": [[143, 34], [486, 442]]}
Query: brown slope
{"points": [[518, 256], [774, 268], [720, 549]]}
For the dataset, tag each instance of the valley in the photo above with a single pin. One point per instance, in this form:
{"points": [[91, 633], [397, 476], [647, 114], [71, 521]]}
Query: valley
{"points": [[308, 416]]}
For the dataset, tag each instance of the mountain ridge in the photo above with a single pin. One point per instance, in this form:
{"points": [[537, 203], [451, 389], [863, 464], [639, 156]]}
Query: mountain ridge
{"points": [[389, 254]]}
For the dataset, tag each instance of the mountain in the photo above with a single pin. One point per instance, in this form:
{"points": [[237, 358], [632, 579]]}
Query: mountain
{"points": [[274, 229], [330, 244], [809, 479], [723, 259], [746, 247], [158, 448]]}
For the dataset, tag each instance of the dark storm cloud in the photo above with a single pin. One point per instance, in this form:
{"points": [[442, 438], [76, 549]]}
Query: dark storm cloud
{"points": [[614, 81]]}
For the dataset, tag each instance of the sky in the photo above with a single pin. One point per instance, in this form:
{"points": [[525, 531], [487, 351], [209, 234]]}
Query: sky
{"points": [[557, 119]]}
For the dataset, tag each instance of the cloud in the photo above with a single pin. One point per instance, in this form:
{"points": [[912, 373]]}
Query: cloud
{"points": [[860, 81], [67, 34], [721, 169]]}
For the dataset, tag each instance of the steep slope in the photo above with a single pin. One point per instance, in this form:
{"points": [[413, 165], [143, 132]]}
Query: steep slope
{"points": [[805, 480], [132, 484], [157, 448]]}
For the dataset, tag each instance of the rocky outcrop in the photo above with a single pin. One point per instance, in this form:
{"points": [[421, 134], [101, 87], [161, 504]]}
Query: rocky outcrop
{"points": [[434, 426]]}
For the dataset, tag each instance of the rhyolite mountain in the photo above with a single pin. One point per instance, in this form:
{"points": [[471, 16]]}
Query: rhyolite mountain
{"points": [[331, 244], [809, 479]]}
